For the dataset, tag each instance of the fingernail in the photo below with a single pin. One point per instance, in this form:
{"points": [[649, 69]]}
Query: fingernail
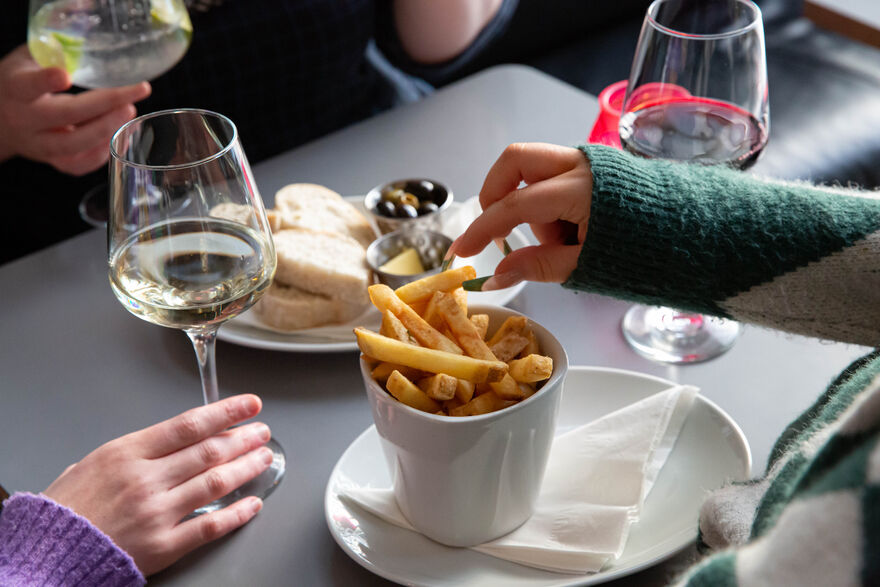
{"points": [[256, 504], [266, 456], [474, 284], [263, 432], [502, 280]]}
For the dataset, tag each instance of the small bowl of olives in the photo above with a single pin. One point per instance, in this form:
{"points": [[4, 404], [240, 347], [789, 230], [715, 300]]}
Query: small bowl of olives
{"points": [[405, 255], [408, 203]]}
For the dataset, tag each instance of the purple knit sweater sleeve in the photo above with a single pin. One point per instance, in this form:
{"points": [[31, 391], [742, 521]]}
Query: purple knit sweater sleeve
{"points": [[44, 543]]}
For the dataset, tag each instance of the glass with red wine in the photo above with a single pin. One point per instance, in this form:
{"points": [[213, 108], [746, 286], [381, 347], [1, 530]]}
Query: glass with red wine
{"points": [[697, 92]]}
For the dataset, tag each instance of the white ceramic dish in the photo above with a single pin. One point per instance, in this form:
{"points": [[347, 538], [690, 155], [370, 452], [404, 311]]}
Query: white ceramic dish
{"points": [[711, 449], [246, 330]]}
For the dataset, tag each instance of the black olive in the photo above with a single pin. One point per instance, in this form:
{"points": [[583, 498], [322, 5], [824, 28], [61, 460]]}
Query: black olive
{"points": [[406, 211], [427, 208], [385, 208], [421, 189]]}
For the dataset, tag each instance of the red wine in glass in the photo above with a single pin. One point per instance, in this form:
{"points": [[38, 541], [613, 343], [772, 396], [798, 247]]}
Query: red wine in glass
{"points": [[699, 130]]}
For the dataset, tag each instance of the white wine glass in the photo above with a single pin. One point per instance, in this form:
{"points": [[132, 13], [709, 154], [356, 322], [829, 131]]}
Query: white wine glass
{"points": [[189, 243], [697, 92], [108, 43]]}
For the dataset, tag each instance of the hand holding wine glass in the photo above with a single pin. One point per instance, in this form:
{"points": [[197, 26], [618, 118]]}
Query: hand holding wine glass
{"points": [[175, 258], [40, 122]]}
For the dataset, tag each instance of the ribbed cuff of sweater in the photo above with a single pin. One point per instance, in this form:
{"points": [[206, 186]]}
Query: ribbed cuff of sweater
{"points": [[696, 237], [44, 543]]}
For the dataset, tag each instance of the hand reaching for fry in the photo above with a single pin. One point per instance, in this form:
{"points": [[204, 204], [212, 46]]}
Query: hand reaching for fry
{"points": [[555, 203]]}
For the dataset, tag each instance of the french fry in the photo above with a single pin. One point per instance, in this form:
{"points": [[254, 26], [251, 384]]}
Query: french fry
{"points": [[407, 392], [384, 298], [473, 344], [451, 404], [515, 324], [527, 389], [424, 288], [509, 347], [440, 387], [532, 348], [481, 321], [464, 390], [387, 349], [460, 297], [462, 328], [483, 404], [531, 369], [382, 372], [392, 327], [431, 314]]}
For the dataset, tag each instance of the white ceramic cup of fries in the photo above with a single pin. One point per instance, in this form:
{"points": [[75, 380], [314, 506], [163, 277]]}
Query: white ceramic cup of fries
{"points": [[463, 481]]}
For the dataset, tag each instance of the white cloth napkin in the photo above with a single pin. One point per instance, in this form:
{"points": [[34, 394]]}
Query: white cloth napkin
{"points": [[596, 482]]}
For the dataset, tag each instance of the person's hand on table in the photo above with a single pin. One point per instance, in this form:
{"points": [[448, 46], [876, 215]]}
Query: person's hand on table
{"points": [[555, 203], [138, 487], [69, 132]]}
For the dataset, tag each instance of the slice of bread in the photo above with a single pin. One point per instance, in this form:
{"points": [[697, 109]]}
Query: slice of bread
{"points": [[289, 308], [323, 263], [308, 205]]}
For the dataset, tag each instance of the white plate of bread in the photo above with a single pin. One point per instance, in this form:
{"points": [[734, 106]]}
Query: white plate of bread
{"points": [[319, 293]]}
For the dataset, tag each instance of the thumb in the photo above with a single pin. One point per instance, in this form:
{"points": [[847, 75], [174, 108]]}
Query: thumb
{"points": [[548, 263], [29, 84]]}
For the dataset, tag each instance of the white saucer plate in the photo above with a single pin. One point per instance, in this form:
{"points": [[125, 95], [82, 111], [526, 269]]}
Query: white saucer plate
{"points": [[246, 329], [710, 450]]}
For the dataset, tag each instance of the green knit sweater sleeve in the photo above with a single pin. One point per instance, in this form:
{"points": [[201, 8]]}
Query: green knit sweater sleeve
{"points": [[722, 242]]}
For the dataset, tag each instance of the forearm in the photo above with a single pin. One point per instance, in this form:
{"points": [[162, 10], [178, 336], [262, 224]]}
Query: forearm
{"points": [[434, 32], [722, 242]]}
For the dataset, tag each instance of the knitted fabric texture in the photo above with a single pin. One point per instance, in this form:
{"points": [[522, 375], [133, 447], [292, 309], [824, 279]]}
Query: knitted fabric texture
{"points": [[44, 543], [717, 241], [793, 257]]}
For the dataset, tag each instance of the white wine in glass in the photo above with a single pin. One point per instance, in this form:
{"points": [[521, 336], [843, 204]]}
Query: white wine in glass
{"points": [[108, 43], [697, 92], [189, 243]]}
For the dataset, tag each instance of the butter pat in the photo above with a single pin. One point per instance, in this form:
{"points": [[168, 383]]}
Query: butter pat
{"points": [[405, 263]]}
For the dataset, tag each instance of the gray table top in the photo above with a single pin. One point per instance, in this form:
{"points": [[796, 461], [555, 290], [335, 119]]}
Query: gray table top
{"points": [[79, 370]]}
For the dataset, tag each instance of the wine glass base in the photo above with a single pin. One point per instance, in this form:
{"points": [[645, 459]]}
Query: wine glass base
{"points": [[260, 486], [649, 331]]}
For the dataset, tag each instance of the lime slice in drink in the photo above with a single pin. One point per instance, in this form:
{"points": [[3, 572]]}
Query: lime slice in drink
{"points": [[170, 12], [55, 49]]}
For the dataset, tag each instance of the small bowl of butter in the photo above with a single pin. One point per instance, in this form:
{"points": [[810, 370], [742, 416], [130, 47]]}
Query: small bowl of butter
{"points": [[402, 256]]}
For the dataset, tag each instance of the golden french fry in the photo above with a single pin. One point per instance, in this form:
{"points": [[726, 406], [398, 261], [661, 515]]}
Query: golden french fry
{"points": [[483, 404], [515, 324], [392, 327], [407, 392], [382, 372], [460, 297], [473, 344], [526, 389], [532, 348], [452, 404], [531, 369], [464, 391], [384, 298], [429, 360], [440, 387], [424, 288], [481, 321], [432, 315], [462, 328], [509, 347], [419, 307]]}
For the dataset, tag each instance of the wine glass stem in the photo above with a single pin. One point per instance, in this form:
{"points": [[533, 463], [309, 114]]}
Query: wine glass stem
{"points": [[204, 342]]}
